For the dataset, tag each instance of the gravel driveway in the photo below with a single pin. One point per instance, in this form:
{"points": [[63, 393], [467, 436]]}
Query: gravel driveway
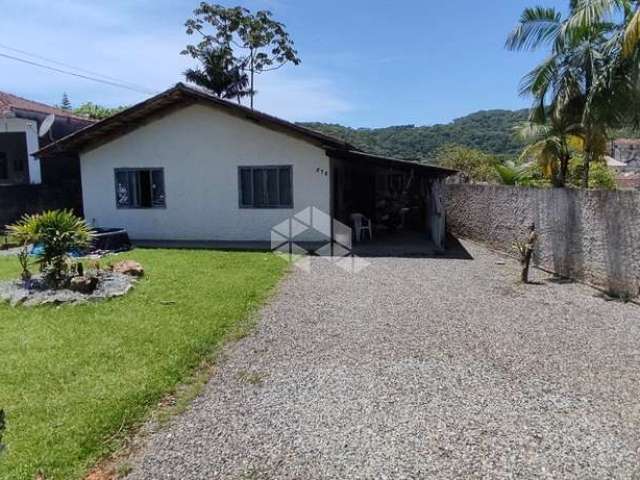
{"points": [[418, 368]]}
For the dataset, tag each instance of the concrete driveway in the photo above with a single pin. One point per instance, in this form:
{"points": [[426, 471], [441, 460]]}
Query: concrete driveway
{"points": [[418, 368]]}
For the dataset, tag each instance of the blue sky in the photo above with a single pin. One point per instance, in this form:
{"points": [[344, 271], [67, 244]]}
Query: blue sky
{"points": [[366, 63]]}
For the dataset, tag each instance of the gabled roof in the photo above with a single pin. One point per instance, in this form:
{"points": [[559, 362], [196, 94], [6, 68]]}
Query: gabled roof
{"points": [[170, 100], [182, 95], [10, 103]]}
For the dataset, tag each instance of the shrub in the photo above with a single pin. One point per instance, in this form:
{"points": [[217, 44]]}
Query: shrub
{"points": [[600, 175], [475, 164], [512, 174], [58, 232]]}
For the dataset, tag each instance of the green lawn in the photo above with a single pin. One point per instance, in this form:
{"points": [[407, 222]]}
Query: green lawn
{"points": [[4, 240], [72, 377]]}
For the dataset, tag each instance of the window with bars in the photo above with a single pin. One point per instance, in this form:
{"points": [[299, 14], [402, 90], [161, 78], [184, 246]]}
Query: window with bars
{"points": [[140, 188], [266, 187]]}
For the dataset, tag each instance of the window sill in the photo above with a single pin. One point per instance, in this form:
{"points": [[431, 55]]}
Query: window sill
{"points": [[141, 208], [244, 207]]}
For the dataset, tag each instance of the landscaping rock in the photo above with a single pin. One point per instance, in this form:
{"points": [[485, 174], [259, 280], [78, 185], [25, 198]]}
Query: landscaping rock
{"points": [[83, 284], [107, 285], [129, 267]]}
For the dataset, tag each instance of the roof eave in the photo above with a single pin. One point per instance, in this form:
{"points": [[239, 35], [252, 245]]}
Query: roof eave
{"points": [[381, 159], [82, 140]]}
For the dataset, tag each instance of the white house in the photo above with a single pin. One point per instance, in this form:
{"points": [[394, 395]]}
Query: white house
{"points": [[187, 166]]}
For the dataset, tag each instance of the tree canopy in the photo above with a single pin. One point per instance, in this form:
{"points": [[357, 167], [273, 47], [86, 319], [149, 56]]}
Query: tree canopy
{"points": [[96, 112], [248, 42], [65, 103], [588, 83], [490, 131], [219, 74]]}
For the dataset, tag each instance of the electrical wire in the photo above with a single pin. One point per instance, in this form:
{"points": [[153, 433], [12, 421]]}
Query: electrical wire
{"points": [[79, 75], [72, 67]]}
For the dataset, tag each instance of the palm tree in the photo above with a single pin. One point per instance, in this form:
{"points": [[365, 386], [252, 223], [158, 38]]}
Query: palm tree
{"points": [[220, 74], [572, 79], [588, 13], [551, 144], [617, 86], [512, 174]]}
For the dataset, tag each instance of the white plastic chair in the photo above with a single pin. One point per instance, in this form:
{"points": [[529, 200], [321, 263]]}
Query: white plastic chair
{"points": [[361, 224]]}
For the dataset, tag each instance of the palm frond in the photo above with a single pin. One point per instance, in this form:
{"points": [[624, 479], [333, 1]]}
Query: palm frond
{"points": [[587, 13], [531, 152], [539, 80], [512, 174], [531, 131], [536, 27], [632, 34]]}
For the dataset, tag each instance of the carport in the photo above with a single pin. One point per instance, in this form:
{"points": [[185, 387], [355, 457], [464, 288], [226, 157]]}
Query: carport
{"points": [[404, 200]]}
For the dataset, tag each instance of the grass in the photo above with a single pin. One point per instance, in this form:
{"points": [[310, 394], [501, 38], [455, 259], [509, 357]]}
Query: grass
{"points": [[74, 379], [5, 241]]}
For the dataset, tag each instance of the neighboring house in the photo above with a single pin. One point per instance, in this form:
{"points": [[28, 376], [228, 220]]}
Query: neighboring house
{"points": [[626, 151], [185, 165], [614, 164], [628, 180], [20, 121], [625, 161]]}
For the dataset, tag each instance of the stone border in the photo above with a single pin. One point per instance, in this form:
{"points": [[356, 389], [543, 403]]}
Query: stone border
{"points": [[111, 284]]}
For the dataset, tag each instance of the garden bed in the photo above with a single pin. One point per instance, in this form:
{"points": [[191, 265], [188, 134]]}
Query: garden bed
{"points": [[109, 285]]}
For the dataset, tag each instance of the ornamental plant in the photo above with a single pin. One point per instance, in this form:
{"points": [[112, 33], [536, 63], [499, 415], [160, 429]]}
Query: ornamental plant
{"points": [[57, 233]]}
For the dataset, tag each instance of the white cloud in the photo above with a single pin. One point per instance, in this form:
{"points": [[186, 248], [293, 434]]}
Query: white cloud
{"points": [[290, 95], [112, 38]]}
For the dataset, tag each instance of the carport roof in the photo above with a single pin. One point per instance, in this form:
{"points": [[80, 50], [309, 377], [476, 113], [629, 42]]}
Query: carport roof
{"points": [[369, 158]]}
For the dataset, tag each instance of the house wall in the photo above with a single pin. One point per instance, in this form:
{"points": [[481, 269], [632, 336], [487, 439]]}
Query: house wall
{"points": [[200, 149], [592, 236], [30, 128]]}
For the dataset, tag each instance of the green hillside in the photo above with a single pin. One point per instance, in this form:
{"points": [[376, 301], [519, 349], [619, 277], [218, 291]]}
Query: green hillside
{"points": [[490, 131]]}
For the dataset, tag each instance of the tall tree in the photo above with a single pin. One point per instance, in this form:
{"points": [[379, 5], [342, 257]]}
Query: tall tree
{"points": [[258, 42], [576, 78], [65, 103], [589, 13], [616, 88], [219, 74], [551, 142]]}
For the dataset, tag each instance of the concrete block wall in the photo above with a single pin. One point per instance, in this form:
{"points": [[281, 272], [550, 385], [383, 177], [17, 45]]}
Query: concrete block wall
{"points": [[591, 236], [16, 200]]}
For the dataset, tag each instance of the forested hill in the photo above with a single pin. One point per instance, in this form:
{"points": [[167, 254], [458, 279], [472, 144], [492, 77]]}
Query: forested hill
{"points": [[490, 131]]}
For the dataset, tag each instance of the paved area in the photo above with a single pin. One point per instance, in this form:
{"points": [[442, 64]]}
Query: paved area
{"points": [[418, 368]]}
